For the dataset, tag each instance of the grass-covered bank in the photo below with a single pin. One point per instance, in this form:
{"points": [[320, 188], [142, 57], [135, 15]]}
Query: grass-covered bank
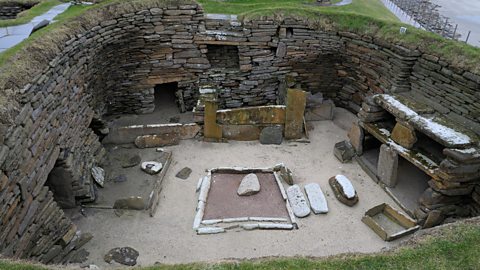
{"points": [[453, 246], [28, 15]]}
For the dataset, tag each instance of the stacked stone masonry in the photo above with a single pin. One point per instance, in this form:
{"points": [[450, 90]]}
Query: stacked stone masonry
{"points": [[112, 68], [10, 10]]}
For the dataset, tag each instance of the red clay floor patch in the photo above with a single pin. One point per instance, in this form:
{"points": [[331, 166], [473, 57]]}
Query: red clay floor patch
{"points": [[223, 201]]}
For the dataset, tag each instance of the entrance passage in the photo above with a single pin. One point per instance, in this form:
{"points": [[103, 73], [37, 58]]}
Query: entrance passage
{"points": [[60, 183], [165, 98]]}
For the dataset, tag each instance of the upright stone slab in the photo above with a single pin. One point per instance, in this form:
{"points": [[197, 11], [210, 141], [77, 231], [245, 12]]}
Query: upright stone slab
{"points": [[356, 136], [297, 201], [212, 130], [271, 135], [387, 167], [404, 135], [317, 200], [296, 102]]}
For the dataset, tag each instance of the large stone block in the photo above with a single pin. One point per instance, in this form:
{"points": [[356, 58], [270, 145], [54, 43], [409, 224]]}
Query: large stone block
{"points": [[296, 102], [158, 140], [387, 168], [211, 129], [261, 115]]}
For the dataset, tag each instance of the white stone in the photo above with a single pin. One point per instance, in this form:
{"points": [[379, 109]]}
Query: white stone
{"points": [[275, 226], [249, 185], [317, 199], [268, 219], [290, 213], [210, 230], [297, 201], [232, 220], [199, 184], [250, 226], [98, 175], [280, 185], [204, 189], [211, 221], [346, 185], [198, 219], [152, 167]]}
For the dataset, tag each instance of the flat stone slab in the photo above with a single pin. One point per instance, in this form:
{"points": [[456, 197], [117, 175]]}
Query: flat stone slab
{"points": [[158, 140], [132, 203], [125, 255], [317, 199], [297, 201], [272, 135], [249, 185], [344, 190], [98, 175], [152, 167], [184, 173]]}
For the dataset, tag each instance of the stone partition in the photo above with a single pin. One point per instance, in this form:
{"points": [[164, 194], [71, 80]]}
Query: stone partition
{"points": [[111, 60]]}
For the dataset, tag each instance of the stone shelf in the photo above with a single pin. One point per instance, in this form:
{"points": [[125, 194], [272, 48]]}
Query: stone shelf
{"points": [[420, 160]]}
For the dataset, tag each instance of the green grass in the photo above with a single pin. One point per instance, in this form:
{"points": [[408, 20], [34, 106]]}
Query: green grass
{"points": [[28, 15], [453, 248], [371, 8]]}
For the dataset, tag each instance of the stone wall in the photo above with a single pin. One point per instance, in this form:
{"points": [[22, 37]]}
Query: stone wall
{"points": [[112, 67], [10, 10]]}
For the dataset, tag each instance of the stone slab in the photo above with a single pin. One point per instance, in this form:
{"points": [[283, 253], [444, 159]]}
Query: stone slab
{"points": [[298, 202], [404, 135], [296, 102], [157, 140], [261, 115], [320, 112], [272, 135], [387, 168], [211, 129], [128, 134], [241, 132], [317, 199], [249, 185]]}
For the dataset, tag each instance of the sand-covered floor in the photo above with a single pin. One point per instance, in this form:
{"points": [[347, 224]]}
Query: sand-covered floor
{"points": [[168, 237]]}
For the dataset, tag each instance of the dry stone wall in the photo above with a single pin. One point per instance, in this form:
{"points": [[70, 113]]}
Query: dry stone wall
{"points": [[10, 10], [114, 66]]}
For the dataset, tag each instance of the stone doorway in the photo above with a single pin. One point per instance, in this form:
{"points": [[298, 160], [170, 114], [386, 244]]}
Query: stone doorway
{"points": [[166, 100], [59, 182]]}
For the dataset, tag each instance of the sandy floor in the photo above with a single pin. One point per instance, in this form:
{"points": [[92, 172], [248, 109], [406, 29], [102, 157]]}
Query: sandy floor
{"points": [[168, 237]]}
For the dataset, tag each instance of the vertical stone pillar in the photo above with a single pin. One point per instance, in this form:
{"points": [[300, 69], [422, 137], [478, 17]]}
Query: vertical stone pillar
{"points": [[387, 167], [212, 131], [296, 102]]}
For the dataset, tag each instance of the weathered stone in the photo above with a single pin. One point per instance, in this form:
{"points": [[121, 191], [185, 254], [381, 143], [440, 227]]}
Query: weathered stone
{"points": [[344, 151], [184, 173], [249, 185], [210, 230], [98, 175], [433, 219], [152, 167], [260, 115], [211, 129], [132, 203], [343, 190], [241, 132], [296, 102], [387, 166], [356, 136], [297, 201], [158, 140], [286, 175], [404, 135], [125, 255], [271, 135], [120, 178], [130, 161], [317, 200], [320, 112]]}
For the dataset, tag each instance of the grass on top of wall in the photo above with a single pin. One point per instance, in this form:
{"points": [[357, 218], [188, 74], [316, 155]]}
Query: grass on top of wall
{"points": [[27, 15], [451, 247]]}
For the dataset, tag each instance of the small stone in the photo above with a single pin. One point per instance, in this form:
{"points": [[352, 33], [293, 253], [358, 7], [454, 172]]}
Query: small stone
{"points": [[297, 201], [131, 161], [125, 255], [152, 167], [343, 151], [120, 178], [286, 175], [434, 218], [184, 173], [133, 203], [343, 190], [79, 256], [98, 175], [317, 200], [272, 135], [249, 185]]}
